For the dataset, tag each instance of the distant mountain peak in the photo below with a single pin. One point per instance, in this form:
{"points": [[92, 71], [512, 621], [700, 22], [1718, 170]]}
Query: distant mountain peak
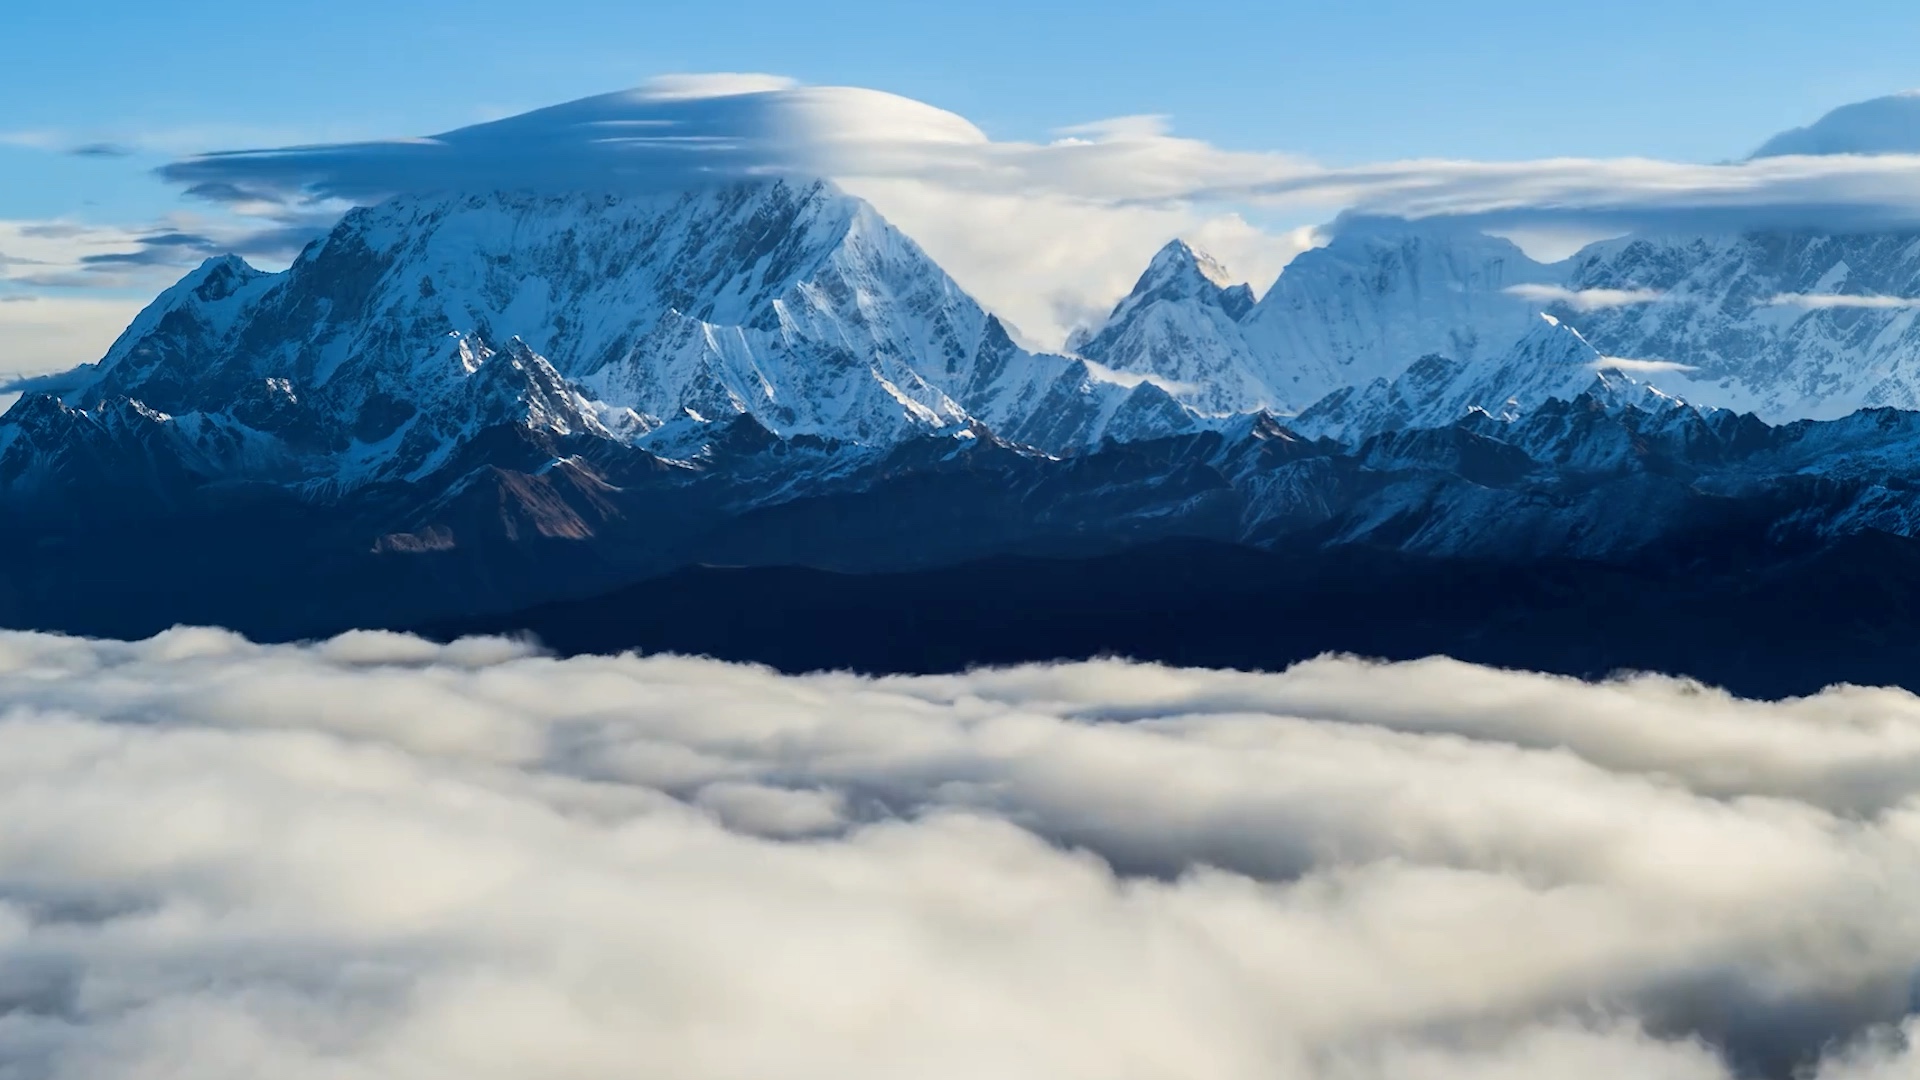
{"points": [[1180, 271], [1177, 258]]}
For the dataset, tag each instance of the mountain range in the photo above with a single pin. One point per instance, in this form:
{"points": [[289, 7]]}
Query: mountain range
{"points": [[454, 407]]}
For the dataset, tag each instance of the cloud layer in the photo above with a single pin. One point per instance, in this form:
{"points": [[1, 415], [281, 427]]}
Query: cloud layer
{"points": [[1047, 233], [687, 130], [380, 857], [1051, 232]]}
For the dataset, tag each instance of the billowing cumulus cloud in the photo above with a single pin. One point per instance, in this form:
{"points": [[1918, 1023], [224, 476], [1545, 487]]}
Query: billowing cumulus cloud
{"points": [[375, 856]]}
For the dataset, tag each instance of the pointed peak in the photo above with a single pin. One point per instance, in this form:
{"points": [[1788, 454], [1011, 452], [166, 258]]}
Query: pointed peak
{"points": [[1179, 273], [228, 263], [220, 277], [1179, 259]]}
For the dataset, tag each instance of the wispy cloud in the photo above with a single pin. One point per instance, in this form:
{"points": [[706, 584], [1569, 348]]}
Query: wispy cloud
{"points": [[102, 150], [1833, 301], [32, 140], [1102, 373], [85, 255], [49, 334], [1585, 299], [63, 253], [1644, 367], [1103, 195]]}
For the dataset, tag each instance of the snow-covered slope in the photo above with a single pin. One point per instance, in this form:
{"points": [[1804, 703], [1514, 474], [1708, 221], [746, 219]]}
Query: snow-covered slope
{"points": [[1361, 310], [1552, 362], [1787, 325], [1382, 295]]}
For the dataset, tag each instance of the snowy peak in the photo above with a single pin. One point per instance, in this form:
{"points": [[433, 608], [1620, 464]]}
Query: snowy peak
{"points": [[1180, 273], [1179, 260], [173, 336], [219, 278], [1179, 327], [657, 319]]}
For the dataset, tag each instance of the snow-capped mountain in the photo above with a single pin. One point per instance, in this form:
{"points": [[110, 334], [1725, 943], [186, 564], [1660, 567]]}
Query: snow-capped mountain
{"points": [[647, 319], [420, 322], [1787, 325], [490, 399], [1373, 301]]}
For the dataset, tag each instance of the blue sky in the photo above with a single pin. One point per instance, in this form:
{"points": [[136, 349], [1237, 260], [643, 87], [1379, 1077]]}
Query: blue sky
{"points": [[1343, 84], [1363, 80]]}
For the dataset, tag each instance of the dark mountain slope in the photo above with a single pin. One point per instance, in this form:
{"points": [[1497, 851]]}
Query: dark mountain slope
{"points": [[1764, 622]]}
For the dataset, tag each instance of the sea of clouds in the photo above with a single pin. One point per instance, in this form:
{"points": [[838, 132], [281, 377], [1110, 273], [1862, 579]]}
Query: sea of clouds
{"points": [[380, 857]]}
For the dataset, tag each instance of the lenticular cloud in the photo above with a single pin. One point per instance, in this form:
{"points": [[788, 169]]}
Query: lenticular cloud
{"points": [[377, 857]]}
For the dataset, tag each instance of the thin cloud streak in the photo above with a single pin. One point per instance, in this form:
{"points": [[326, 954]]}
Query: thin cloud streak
{"points": [[1644, 367], [1585, 299], [1841, 301]]}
